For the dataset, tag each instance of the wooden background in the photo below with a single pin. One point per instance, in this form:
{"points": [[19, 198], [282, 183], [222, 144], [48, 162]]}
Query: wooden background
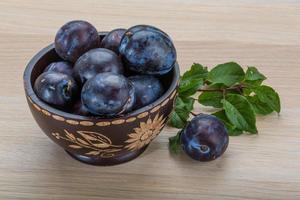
{"points": [[263, 33]]}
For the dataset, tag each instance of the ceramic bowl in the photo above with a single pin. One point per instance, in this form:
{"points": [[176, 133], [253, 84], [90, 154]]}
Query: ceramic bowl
{"points": [[96, 140]]}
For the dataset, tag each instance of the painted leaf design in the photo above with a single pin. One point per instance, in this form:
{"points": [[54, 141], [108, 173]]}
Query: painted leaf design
{"points": [[75, 146], [106, 155], [112, 150], [82, 141], [94, 153], [70, 135], [101, 145], [88, 137], [96, 139]]}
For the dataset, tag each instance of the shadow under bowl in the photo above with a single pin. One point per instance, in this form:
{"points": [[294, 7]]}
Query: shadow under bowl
{"points": [[95, 140]]}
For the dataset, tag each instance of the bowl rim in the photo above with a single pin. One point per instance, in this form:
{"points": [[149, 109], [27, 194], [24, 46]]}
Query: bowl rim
{"points": [[29, 92]]}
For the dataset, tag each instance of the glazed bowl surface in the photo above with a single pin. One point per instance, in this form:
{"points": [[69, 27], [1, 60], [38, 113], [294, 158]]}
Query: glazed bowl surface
{"points": [[95, 140]]}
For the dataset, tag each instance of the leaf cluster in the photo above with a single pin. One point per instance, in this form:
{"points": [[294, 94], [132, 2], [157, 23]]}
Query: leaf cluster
{"points": [[237, 95]]}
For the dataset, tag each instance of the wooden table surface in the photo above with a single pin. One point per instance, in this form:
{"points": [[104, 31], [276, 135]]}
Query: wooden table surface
{"points": [[262, 33]]}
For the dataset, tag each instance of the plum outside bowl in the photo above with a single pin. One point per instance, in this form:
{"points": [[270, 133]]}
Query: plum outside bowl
{"points": [[96, 140]]}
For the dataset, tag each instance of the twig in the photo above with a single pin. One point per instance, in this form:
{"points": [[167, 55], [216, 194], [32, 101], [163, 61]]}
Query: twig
{"points": [[238, 88]]}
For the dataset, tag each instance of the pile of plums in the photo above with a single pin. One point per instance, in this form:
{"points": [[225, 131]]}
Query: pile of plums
{"points": [[106, 77]]}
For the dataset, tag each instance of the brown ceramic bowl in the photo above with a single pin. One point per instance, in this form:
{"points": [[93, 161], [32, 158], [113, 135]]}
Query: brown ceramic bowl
{"points": [[95, 140]]}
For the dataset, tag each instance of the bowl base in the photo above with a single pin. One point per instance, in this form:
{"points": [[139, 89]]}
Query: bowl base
{"points": [[107, 161]]}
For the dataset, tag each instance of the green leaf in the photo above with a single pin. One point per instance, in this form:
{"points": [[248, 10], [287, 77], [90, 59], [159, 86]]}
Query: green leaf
{"points": [[232, 130], [181, 112], [268, 95], [248, 89], [211, 99], [239, 112], [253, 78], [192, 80], [252, 74], [174, 143], [178, 118], [227, 73], [216, 86], [189, 87], [188, 102], [197, 71], [252, 83], [258, 106]]}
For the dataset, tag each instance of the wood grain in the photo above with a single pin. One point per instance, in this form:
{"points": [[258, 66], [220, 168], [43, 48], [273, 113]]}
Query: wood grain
{"points": [[263, 33]]}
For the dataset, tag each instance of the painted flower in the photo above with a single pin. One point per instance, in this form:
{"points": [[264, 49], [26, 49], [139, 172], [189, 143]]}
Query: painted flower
{"points": [[145, 133]]}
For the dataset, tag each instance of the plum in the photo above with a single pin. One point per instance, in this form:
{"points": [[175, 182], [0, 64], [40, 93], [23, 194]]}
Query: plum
{"points": [[56, 88], [61, 67], [94, 62], [108, 94], [147, 89], [74, 39], [112, 40], [204, 138], [79, 109], [144, 27], [147, 50]]}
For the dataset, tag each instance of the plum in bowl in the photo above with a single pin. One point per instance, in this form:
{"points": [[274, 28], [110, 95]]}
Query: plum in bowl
{"points": [[95, 140]]}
